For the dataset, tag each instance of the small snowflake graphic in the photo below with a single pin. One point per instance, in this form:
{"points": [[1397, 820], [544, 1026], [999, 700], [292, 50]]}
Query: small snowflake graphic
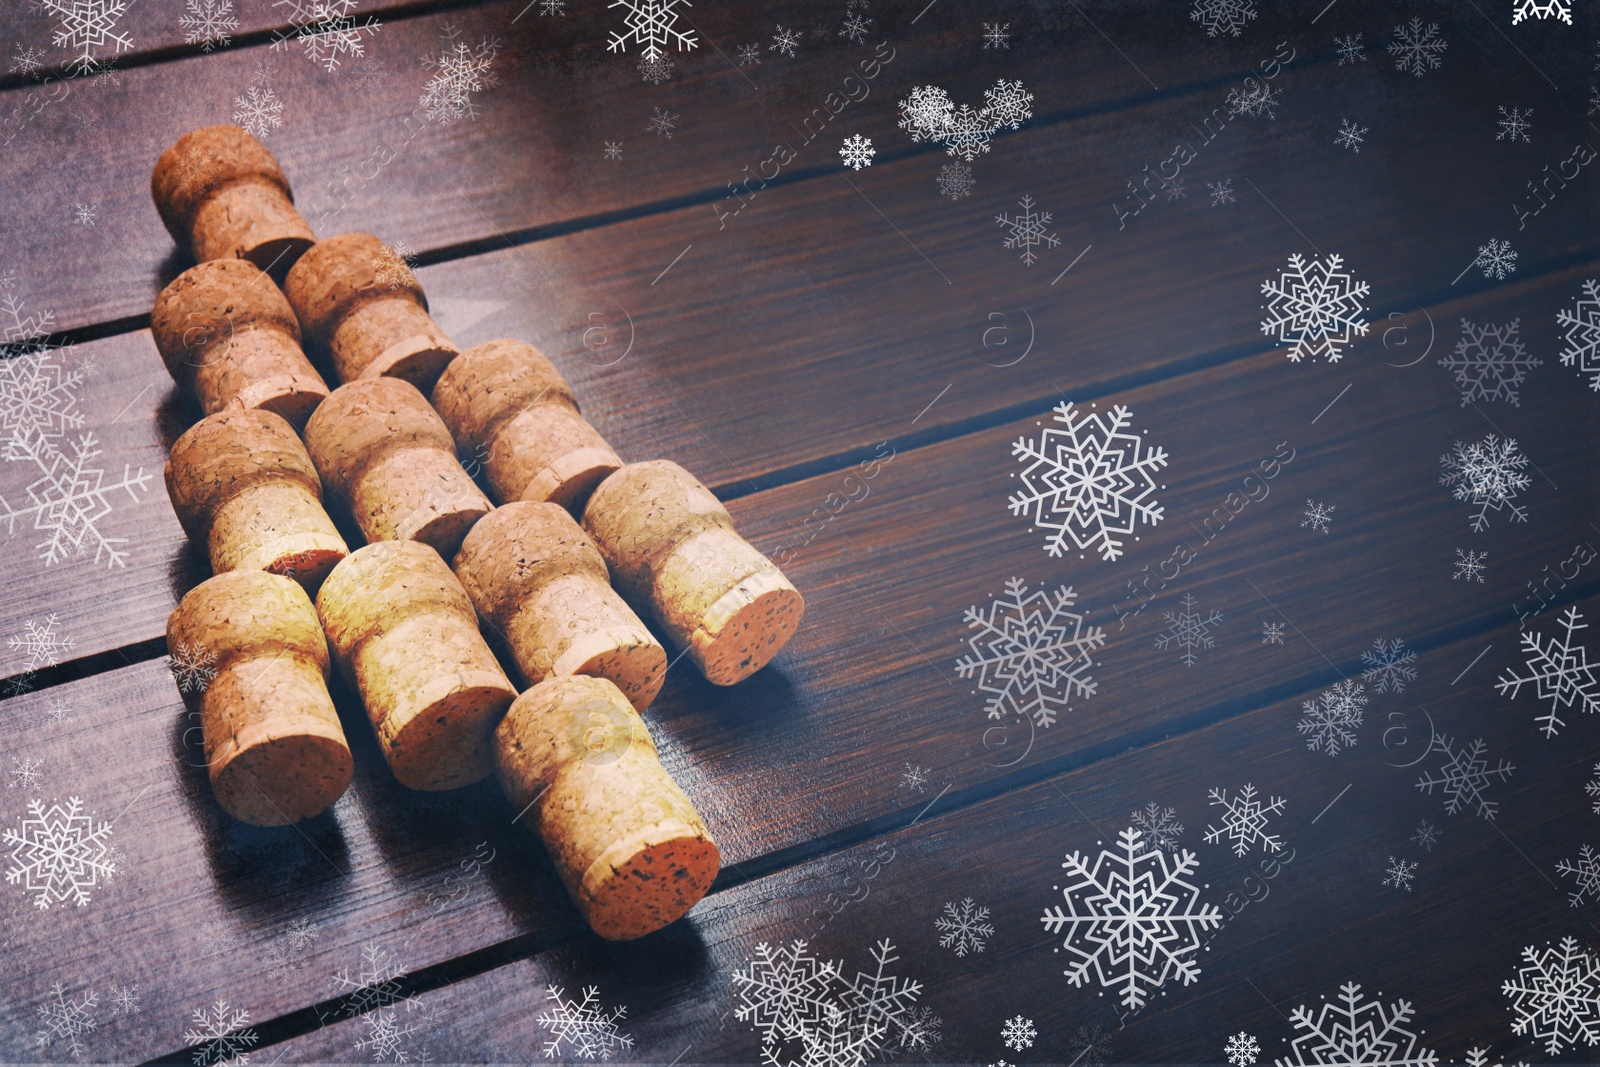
{"points": [[1583, 333], [68, 498], [1188, 629], [386, 1036], [1088, 481], [919, 1031], [1223, 16], [997, 35], [1131, 920], [26, 60], [1242, 1049], [1586, 869], [327, 28], [369, 72], [928, 114], [1244, 819], [1272, 633], [1399, 873], [1489, 362], [259, 111], [963, 927], [1349, 135], [1593, 788], [1464, 777], [1318, 516], [1487, 473], [1544, 9], [1255, 100], [223, 1034], [1427, 835], [459, 73], [1333, 717], [1090, 1046], [1514, 125], [1027, 230], [1351, 50], [1174, 189], [1417, 49], [915, 777], [552, 7], [857, 152], [1031, 652], [83, 214], [785, 41], [208, 23], [1356, 1030], [376, 983], [663, 123], [613, 150], [24, 773], [1388, 666], [1018, 1033], [67, 1018], [291, 948], [1557, 996], [40, 642], [1160, 826], [393, 266], [955, 181], [126, 999], [750, 54], [855, 28], [1221, 192], [192, 667], [87, 25], [1315, 308], [59, 853], [57, 711], [651, 24], [1560, 672], [1497, 259]]}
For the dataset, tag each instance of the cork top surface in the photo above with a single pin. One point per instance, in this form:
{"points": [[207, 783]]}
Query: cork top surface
{"points": [[368, 418], [198, 313], [518, 547], [492, 383], [228, 453], [202, 161], [338, 273]]}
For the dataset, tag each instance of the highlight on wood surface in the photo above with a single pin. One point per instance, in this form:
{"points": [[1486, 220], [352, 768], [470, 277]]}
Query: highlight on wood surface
{"points": [[250, 660], [388, 460], [626, 840], [675, 556], [539, 582], [242, 484], [510, 409], [222, 195], [406, 637], [362, 308]]}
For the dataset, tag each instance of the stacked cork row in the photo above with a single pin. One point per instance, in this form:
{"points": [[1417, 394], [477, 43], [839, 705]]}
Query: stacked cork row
{"points": [[582, 550]]}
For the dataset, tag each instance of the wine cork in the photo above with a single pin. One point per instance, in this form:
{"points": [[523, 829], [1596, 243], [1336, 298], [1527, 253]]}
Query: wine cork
{"points": [[359, 302], [243, 486], [222, 195], [506, 404], [230, 339], [537, 579], [674, 555], [249, 658], [387, 459], [628, 843], [405, 637]]}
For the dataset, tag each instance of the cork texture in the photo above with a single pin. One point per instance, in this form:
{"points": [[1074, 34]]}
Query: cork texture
{"points": [[222, 195], [274, 748], [539, 582], [675, 556], [229, 337], [242, 484], [387, 459], [508, 406], [361, 306], [627, 841], [405, 636]]}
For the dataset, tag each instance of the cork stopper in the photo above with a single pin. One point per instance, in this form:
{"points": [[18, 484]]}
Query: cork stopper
{"points": [[249, 658], [627, 842], [230, 339], [508, 406], [387, 459], [405, 636], [538, 581], [675, 556], [222, 195], [360, 304], [242, 485]]}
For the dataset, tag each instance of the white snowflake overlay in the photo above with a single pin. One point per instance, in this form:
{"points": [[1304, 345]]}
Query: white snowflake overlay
{"points": [[1464, 776], [963, 927], [1586, 869], [1469, 566], [259, 111], [1489, 362], [914, 777], [1222, 192], [1131, 920], [662, 123], [1351, 50], [1350, 135], [24, 773], [581, 1027], [1333, 718], [458, 73], [208, 23], [1583, 333], [67, 1018], [1355, 1030], [1497, 259], [1027, 230], [655, 69], [1389, 666], [1188, 629], [955, 180], [291, 948], [1557, 996], [1223, 16], [40, 643], [1088, 481], [1514, 125], [192, 667], [59, 853], [1399, 873], [1090, 1046], [223, 1034], [1159, 825], [857, 152], [328, 29], [1244, 820], [1018, 1033], [1031, 653], [997, 35], [785, 41], [1272, 633], [1544, 9], [87, 25], [928, 114], [1417, 49], [1241, 1050], [126, 999], [1318, 515], [1314, 307], [1256, 99], [1560, 672], [1487, 473], [1427, 835]]}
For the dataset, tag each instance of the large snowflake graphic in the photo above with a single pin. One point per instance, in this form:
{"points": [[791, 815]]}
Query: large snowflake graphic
{"points": [[1557, 996], [1489, 362], [582, 1027], [328, 29], [1333, 718], [208, 23], [1027, 230], [67, 1017], [928, 114], [59, 853], [1416, 48], [1487, 473], [1242, 1049], [1159, 825], [1586, 869], [1560, 672], [259, 111], [1583, 333], [1464, 776], [963, 927], [40, 642], [1188, 630], [458, 73], [1130, 920], [1314, 307], [1031, 653], [1544, 9], [222, 1033], [1088, 481], [1223, 16], [69, 498], [87, 25], [1389, 666], [784, 992], [38, 397], [1244, 820], [1355, 1030]]}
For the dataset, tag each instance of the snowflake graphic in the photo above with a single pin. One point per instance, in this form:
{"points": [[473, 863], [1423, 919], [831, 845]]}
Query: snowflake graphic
{"points": [[1513, 125], [1244, 819], [1349, 135], [1583, 334], [223, 1035], [289, 950], [394, 266], [1257, 99], [955, 181], [655, 69], [57, 711], [582, 1028], [1427, 835], [1318, 516], [1560, 9], [857, 152], [87, 25], [1464, 777], [1027, 230], [458, 73], [126, 999], [1131, 919], [1090, 1046], [259, 111], [59, 853], [67, 1018], [1031, 652], [1188, 629], [750, 54], [1417, 49], [663, 123], [613, 150], [784, 992], [192, 667], [1333, 717], [785, 41], [1557, 996], [1272, 633], [1315, 307], [1018, 1033], [552, 7], [1561, 673], [1160, 826], [1241, 1049], [1489, 362], [651, 24], [83, 214], [26, 60], [1221, 192], [1088, 481], [38, 397], [928, 114], [1223, 16], [855, 28], [1174, 189], [915, 777], [963, 927], [1586, 869], [1388, 666], [919, 1032], [1487, 473], [40, 642], [1351, 49], [1356, 1030], [68, 498], [1497, 259], [386, 1036], [24, 773], [997, 35], [208, 22], [327, 28], [376, 983], [1399, 873], [369, 72]]}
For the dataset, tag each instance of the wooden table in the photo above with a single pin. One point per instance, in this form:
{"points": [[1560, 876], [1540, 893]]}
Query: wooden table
{"points": [[774, 324]]}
